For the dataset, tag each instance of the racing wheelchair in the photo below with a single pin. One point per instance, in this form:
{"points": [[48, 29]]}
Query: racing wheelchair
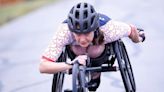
{"points": [[81, 75]]}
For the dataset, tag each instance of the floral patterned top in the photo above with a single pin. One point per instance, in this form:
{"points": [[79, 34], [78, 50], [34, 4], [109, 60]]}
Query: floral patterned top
{"points": [[113, 30]]}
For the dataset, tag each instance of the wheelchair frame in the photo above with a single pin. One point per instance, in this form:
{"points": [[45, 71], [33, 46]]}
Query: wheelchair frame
{"points": [[79, 73]]}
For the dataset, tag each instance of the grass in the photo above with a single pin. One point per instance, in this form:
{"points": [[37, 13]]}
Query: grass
{"points": [[10, 12]]}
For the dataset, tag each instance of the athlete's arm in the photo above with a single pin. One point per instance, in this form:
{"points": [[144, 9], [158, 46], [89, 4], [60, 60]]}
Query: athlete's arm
{"points": [[53, 51], [53, 67], [114, 30]]}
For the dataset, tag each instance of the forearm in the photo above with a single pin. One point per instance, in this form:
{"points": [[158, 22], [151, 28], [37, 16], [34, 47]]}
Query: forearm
{"points": [[53, 67]]}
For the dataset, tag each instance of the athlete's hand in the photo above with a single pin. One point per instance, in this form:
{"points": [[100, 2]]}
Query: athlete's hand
{"points": [[81, 59], [141, 34], [134, 35]]}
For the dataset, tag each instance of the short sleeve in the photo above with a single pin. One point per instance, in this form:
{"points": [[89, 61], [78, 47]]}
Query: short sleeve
{"points": [[61, 38], [114, 30]]}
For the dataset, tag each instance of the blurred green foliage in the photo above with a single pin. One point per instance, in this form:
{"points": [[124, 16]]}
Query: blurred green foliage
{"points": [[12, 11]]}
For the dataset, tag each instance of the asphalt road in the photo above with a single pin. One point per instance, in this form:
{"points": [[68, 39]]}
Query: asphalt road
{"points": [[23, 40]]}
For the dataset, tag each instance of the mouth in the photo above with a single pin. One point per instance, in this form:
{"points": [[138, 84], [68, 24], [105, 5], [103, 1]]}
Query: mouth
{"points": [[84, 44]]}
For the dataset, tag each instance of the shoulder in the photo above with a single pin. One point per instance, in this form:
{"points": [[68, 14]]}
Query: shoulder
{"points": [[103, 19], [63, 33], [63, 29]]}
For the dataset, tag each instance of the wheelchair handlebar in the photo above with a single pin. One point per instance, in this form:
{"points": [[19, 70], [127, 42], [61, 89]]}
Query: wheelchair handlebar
{"points": [[141, 34]]}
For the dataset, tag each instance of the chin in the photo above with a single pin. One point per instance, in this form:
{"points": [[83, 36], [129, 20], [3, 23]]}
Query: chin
{"points": [[84, 45]]}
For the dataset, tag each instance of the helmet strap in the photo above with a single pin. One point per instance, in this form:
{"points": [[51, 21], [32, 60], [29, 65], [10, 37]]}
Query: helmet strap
{"points": [[96, 33]]}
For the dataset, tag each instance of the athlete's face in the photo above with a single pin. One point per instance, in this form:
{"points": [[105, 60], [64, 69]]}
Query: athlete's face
{"points": [[84, 39]]}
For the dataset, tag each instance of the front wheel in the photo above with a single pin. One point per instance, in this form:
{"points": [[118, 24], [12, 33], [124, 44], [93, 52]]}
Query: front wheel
{"points": [[78, 79], [75, 83]]}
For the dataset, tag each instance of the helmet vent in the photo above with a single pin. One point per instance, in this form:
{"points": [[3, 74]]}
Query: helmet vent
{"points": [[92, 19], [77, 26], [85, 25], [77, 14], [78, 6], [85, 5], [92, 10], [85, 14]]}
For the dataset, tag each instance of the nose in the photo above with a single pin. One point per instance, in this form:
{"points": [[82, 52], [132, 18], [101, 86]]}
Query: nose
{"points": [[82, 37]]}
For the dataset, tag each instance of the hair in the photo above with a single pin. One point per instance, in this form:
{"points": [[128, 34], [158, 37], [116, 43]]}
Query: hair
{"points": [[98, 37]]}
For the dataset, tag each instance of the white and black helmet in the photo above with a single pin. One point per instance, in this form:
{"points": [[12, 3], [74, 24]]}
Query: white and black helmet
{"points": [[83, 18]]}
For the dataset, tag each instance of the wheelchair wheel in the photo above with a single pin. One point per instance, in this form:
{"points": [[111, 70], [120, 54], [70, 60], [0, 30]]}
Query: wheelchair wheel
{"points": [[128, 67], [58, 80], [125, 67], [78, 83]]}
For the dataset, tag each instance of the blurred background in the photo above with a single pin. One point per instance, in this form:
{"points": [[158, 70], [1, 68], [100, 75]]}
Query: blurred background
{"points": [[26, 27], [11, 9]]}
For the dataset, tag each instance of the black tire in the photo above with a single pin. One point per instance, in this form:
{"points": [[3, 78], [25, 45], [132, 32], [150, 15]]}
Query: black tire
{"points": [[128, 67], [58, 80], [125, 67]]}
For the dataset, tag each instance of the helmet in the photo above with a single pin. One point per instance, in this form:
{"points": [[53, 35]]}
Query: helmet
{"points": [[83, 18]]}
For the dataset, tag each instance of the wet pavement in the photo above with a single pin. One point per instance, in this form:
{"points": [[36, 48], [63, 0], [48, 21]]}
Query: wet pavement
{"points": [[23, 40]]}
